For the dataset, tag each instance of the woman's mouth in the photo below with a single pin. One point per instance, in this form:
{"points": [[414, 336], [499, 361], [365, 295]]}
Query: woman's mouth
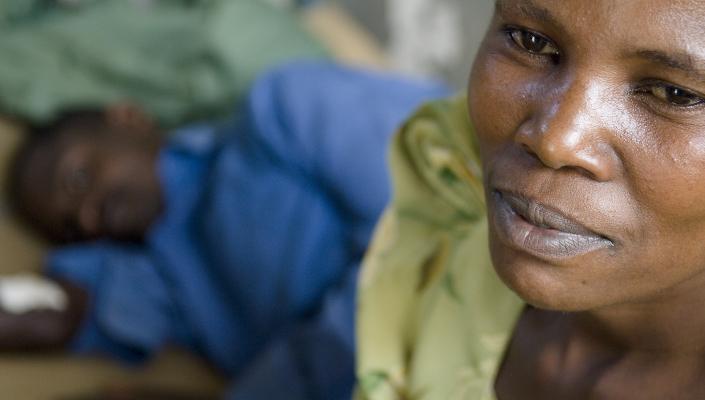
{"points": [[531, 227]]}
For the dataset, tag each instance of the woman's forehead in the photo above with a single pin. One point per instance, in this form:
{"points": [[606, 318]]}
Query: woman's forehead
{"points": [[672, 18], [619, 26]]}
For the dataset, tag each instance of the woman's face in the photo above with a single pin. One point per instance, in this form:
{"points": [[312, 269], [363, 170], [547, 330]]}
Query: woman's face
{"points": [[591, 122]]}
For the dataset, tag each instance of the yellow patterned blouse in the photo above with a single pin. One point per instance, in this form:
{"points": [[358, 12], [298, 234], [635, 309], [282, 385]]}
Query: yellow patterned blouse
{"points": [[433, 318]]}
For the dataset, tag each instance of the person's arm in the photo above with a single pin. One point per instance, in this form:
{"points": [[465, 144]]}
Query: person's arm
{"points": [[128, 308], [39, 314], [333, 125]]}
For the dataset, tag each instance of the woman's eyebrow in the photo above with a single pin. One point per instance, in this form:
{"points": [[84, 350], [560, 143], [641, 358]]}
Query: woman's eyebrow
{"points": [[527, 8], [681, 61]]}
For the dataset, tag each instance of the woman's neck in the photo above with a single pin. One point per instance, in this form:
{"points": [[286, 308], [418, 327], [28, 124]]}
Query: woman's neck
{"points": [[671, 323]]}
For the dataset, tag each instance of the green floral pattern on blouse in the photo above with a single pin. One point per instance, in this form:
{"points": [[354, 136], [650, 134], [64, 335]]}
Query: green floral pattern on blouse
{"points": [[433, 317]]}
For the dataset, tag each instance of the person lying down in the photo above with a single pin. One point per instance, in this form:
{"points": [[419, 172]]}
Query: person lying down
{"points": [[240, 241]]}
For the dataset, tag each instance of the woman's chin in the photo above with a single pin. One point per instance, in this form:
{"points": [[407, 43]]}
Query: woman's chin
{"points": [[546, 286], [546, 299]]}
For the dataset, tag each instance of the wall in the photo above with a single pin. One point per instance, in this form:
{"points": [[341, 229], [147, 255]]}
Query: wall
{"points": [[427, 37]]}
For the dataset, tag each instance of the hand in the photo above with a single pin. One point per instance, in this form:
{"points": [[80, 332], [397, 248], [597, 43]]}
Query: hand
{"points": [[43, 328]]}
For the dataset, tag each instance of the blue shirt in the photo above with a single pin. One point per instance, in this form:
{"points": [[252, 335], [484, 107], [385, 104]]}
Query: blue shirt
{"points": [[254, 262]]}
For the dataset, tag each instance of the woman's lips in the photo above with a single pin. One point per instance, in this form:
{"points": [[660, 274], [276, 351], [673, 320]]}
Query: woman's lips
{"points": [[540, 231]]}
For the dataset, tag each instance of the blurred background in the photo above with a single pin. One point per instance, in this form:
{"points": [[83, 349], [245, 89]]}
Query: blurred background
{"points": [[436, 38], [431, 39]]}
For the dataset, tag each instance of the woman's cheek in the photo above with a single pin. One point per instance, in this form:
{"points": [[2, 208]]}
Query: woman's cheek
{"points": [[497, 99], [673, 180]]}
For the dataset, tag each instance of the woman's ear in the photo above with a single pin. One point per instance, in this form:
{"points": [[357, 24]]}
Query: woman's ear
{"points": [[131, 118]]}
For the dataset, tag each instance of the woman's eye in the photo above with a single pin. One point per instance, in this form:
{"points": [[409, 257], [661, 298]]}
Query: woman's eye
{"points": [[676, 96], [533, 42]]}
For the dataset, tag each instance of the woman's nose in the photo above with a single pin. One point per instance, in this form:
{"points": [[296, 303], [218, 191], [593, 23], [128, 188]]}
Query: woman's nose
{"points": [[571, 130]]}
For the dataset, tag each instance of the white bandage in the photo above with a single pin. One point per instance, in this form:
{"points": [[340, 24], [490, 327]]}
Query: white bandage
{"points": [[20, 294]]}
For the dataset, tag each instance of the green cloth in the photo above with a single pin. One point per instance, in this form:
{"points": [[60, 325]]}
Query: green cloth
{"points": [[433, 317], [180, 59]]}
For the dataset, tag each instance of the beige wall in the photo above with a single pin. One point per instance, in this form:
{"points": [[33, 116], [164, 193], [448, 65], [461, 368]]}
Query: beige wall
{"points": [[464, 22]]}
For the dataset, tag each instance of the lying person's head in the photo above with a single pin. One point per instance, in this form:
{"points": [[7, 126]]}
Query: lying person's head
{"points": [[89, 174]]}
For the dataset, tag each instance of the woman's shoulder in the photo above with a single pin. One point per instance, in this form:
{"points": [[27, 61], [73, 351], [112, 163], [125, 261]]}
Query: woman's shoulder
{"points": [[435, 165]]}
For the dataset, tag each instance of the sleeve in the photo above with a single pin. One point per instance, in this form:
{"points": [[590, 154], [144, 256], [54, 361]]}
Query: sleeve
{"points": [[312, 359], [130, 311], [302, 173], [334, 124]]}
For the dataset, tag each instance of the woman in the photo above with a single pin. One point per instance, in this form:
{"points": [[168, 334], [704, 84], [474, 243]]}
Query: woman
{"points": [[589, 120]]}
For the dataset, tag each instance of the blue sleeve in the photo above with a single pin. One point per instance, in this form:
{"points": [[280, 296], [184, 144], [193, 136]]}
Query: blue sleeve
{"points": [[299, 184], [333, 124], [310, 360], [130, 311]]}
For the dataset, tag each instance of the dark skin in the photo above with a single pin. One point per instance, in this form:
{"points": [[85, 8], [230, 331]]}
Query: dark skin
{"points": [[43, 330], [97, 182], [591, 121]]}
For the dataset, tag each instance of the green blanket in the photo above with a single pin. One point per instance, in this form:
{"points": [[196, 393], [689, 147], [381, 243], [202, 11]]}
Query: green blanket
{"points": [[180, 59]]}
